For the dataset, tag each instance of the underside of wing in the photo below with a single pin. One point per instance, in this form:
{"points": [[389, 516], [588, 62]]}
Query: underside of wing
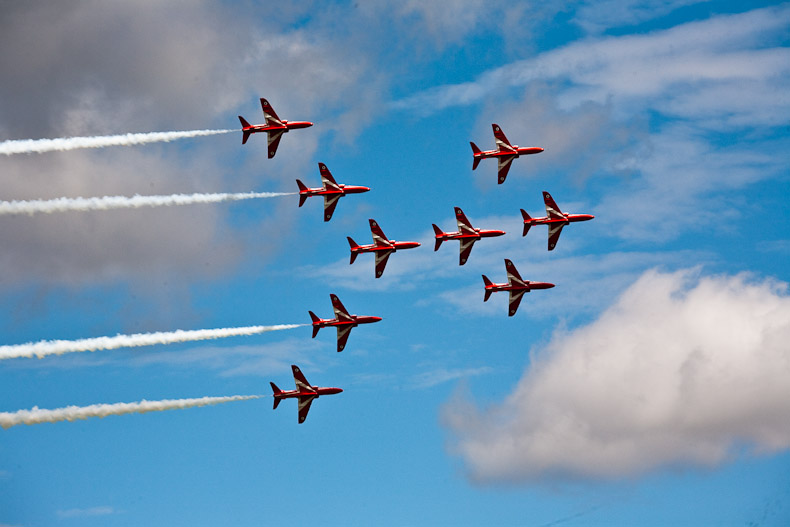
{"points": [[381, 261], [501, 141], [304, 406], [513, 277], [330, 202], [466, 249], [270, 114], [515, 300], [299, 379], [341, 313], [379, 238], [327, 179], [504, 167], [554, 234], [552, 210], [464, 225], [274, 141], [342, 336]]}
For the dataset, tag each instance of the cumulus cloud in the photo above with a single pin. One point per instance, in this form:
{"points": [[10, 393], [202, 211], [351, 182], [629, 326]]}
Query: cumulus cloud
{"points": [[682, 370]]}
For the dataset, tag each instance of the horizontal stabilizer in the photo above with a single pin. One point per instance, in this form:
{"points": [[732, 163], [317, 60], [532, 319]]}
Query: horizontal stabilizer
{"points": [[439, 240], [527, 220], [315, 321], [353, 246], [302, 188], [488, 291]]}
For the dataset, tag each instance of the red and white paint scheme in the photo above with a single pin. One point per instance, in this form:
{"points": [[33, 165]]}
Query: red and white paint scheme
{"points": [[466, 234], [332, 191], [274, 127], [342, 321], [304, 392], [382, 247], [515, 284], [555, 219], [505, 153]]}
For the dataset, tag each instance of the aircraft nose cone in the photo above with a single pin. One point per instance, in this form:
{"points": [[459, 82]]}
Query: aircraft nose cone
{"points": [[549, 286]]}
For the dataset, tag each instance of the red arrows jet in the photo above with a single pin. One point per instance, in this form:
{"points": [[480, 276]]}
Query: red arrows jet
{"points": [[342, 321], [382, 247], [555, 219], [274, 127], [331, 191], [304, 391], [505, 152], [516, 285], [467, 234]]}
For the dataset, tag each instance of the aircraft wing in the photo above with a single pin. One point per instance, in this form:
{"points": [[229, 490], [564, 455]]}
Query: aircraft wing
{"points": [[554, 234], [327, 179], [330, 202], [512, 274], [381, 261], [340, 310], [274, 141], [503, 167], [270, 114], [464, 225], [379, 238], [552, 210], [515, 300], [299, 379], [503, 145], [466, 249], [304, 406], [342, 336]]}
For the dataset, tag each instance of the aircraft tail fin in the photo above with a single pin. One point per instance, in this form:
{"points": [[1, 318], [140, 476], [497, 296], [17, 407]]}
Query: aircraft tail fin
{"points": [[302, 188], [245, 134], [439, 240], [353, 246], [527, 223], [315, 319], [475, 153], [276, 391], [488, 291]]}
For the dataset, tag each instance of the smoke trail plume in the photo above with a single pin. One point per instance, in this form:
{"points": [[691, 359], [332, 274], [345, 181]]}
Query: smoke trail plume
{"points": [[37, 415], [122, 202], [58, 347], [38, 146]]}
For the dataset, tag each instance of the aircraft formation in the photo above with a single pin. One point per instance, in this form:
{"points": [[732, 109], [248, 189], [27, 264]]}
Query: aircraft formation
{"points": [[382, 247]]}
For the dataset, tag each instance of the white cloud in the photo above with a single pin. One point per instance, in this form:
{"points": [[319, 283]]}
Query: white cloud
{"points": [[681, 370], [84, 513], [672, 66], [597, 16]]}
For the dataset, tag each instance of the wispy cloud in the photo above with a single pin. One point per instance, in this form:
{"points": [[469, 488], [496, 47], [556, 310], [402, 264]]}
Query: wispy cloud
{"points": [[89, 512], [674, 66], [682, 369]]}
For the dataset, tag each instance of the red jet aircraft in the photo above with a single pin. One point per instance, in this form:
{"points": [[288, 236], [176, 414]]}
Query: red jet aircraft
{"points": [[505, 152], [304, 391], [555, 219], [382, 247], [331, 191], [516, 285], [467, 234], [342, 321], [274, 127]]}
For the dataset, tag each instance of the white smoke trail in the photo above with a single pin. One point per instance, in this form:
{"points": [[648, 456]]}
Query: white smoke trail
{"points": [[37, 146], [58, 347], [37, 415], [122, 202]]}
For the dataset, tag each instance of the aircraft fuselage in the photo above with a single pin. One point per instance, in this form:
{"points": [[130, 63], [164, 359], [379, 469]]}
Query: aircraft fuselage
{"points": [[569, 218], [517, 152], [286, 126], [479, 233], [316, 392], [344, 189]]}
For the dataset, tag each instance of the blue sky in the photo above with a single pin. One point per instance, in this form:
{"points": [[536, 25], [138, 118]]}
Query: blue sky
{"points": [[649, 387]]}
